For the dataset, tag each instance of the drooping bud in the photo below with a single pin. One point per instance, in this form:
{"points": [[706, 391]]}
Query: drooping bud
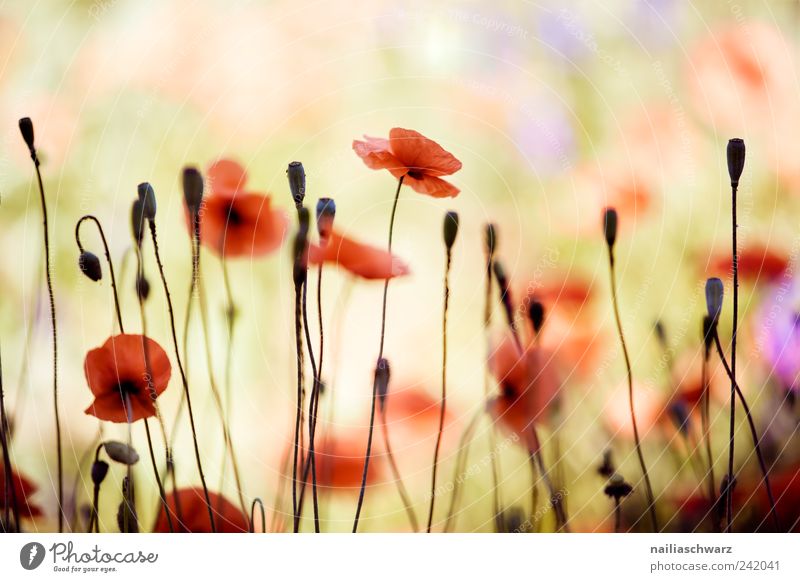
{"points": [[121, 453], [382, 375], [610, 226], [326, 212], [490, 240], [148, 197], [715, 293], [89, 265], [708, 335], [450, 229], [536, 315], [192, 190], [137, 221], [99, 471], [26, 129], [736, 151], [297, 182], [617, 487], [142, 287]]}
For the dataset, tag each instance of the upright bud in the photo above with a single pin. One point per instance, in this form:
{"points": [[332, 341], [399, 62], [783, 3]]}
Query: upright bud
{"points": [[192, 190], [735, 160], [26, 129], [326, 212], [148, 197], [89, 265], [491, 240], [606, 468], [382, 374], [715, 293], [142, 287], [536, 315], [610, 226], [450, 229], [617, 487], [297, 182], [137, 221]]}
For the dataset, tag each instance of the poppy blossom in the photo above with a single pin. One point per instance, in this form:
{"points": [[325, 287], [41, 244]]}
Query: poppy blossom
{"points": [[756, 263], [360, 259], [117, 374], [22, 489], [340, 464], [529, 386], [235, 222], [189, 513], [407, 154]]}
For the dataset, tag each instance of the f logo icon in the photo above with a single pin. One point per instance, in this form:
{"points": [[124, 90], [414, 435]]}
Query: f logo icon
{"points": [[31, 555]]}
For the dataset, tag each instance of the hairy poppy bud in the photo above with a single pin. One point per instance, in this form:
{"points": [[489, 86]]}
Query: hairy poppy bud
{"points": [[736, 152], [89, 265], [99, 472], [137, 221], [382, 374], [326, 212], [715, 293], [490, 240], [536, 315], [617, 487], [708, 335], [297, 182], [121, 453], [610, 226], [142, 287], [450, 229], [148, 197], [26, 129], [192, 189]]}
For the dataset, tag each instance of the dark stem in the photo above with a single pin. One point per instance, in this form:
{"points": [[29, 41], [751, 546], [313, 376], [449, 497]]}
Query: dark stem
{"points": [[756, 439], [257, 501], [735, 258], [651, 503], [386, 282], [555, 495], [161, 492], [617, 515], [443, 403], [184, 381], [401, 490], [705, 420], [108, 260], [487, 320], [298, 421], [51, 295], [312, 415], [10, 496], [367, 455]]}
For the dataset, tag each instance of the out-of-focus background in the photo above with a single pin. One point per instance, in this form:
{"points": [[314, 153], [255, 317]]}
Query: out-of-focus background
{"points": [[555, 109]]}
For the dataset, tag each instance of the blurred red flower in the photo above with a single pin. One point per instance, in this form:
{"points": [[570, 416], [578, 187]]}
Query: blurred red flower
{"points": [[407, 154], [22, 490], [190, 515], [340, 463], [756, 263], [360, 259], [117, 370]]}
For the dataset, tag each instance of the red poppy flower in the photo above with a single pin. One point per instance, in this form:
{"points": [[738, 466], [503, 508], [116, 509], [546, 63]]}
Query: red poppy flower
{"points": [[528, 387], [234, 222], [755, 263], [116, 372], [407, 154], [22, 490], [360, 259], [189, 513], [340, 463]]}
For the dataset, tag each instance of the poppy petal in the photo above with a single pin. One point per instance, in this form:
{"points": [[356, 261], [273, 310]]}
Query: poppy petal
{"points": [[360, 259], [415, 151], [110, 407], [226, 175], [432, 186], [375, 153]]}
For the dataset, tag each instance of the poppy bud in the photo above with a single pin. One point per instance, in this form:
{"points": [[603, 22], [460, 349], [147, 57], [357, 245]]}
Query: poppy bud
{"points": [[679, 413], [617, 487], [89, 265], [121, 453], [297, 182], [148, 197], [192, 189], [536, 315], [326, 212], [382, 374], [142, 287], [661, 333], [491, 240], [137, 221], [610, 226], [708, 335], [715, 292], [26, 129], [450, 229], [99, 472], [514, 520], [606, 468], [735, 160]]}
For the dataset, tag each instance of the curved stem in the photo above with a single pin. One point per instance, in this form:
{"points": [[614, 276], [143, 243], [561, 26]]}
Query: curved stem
{"points": [[386, 282], [184, 381], [108, 260], [257, 501], [367, 454], [312, 414], [651, 503], [754, 434], [401, 490], [298, 421]]}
